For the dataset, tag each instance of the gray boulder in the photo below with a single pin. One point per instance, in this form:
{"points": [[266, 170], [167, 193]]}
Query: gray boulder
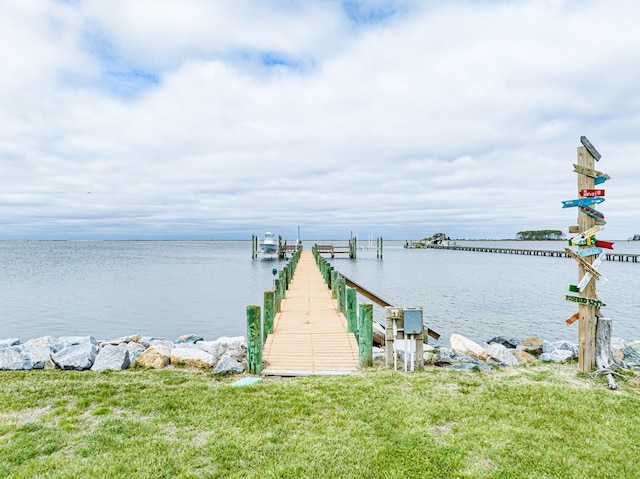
{"points": [[189, 339], [558, 356], [234, 346], [501, 354], [135, 350], [13, 358], [9, 342], [40, 355], [548, 347], [192, 358], [509, 343], [121, 340], [111, 356], [447, 357], [631, 354], [76, 353], [228, 364]]}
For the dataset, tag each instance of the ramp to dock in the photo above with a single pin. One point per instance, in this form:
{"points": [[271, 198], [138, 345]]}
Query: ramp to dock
{"points": [[310, 335]]}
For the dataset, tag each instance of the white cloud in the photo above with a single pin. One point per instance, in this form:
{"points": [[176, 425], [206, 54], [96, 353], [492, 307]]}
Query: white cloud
{"points": [[200, 119]]}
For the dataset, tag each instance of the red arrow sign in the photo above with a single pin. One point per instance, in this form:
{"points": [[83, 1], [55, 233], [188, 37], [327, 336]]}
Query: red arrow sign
{"points": [[591, 193], [604, 244]]}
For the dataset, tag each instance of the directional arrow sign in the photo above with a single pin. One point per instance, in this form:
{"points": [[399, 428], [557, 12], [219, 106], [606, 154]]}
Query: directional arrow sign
{"points": [[604, 244], [583, 170], [587, 276], [583, 253], [586, 192], [585, 234], [587, 301], [587, 210], [582, 202], [584, 263], [590, 241], [572, 319], [590, 148]]}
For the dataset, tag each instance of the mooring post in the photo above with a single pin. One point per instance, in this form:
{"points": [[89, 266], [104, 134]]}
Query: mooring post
{"points": [[379, 248], [254, 340], [269, 313], [352, 311], [254, 249], [365, 342]]}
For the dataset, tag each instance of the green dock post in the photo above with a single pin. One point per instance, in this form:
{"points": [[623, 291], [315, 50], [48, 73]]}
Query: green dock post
{"points": [[278, 295], [334, 284], [269, 313], [254, 340], [342, 300], [352, 311], [365, 343]]}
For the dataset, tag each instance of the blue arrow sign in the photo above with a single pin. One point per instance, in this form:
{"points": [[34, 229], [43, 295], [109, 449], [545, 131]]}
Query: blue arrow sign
{"points": [[583, 202]]}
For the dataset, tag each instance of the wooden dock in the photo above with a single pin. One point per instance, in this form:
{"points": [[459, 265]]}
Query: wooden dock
{"points": [[310, 335], [609, 256]]}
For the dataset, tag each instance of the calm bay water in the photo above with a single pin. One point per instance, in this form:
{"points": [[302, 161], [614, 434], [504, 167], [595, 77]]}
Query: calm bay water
{"points": [[168, 288]]}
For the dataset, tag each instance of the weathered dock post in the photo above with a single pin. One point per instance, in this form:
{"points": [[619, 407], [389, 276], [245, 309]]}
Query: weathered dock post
{"points": [[379, 248], [254, 246], [278, 295], [254, 340], [269, 313], [341, 294], [352, 311], [365, 335], [334, 284]]}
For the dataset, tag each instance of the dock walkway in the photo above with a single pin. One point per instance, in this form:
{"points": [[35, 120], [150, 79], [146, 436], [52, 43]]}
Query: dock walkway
{"points": [[609, 256], [310, 335]]}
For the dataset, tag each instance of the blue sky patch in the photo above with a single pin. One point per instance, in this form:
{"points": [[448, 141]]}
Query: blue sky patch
{"points": [[118, 76], [362, 12]]}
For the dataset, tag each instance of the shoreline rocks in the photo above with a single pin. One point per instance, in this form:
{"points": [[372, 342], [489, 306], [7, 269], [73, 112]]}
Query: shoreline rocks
{"points": [[228, 354], [82, 353]]}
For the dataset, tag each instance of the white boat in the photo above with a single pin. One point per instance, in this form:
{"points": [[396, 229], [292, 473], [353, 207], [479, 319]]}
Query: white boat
{"points": [[269, 243]]}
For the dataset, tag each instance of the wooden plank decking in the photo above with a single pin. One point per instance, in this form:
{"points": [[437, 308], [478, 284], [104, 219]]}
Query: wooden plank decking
{"points": [[310, 335]]}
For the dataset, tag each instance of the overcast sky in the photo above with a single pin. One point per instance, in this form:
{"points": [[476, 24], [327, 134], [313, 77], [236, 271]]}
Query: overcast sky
{"points": [[203, 119]]}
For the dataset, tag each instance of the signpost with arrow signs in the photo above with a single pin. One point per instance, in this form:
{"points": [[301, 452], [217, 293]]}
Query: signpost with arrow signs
{"points": [[589, 257]]}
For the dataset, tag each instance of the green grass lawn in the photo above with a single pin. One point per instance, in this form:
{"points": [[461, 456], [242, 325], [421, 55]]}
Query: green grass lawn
{"points": [[539, 421]]}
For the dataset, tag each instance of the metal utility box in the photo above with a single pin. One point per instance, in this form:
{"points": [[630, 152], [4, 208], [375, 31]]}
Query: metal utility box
{"points": [[413, 321]]}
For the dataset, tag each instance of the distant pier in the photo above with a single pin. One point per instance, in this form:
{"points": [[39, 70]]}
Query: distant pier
{"points": [[609, 256]]}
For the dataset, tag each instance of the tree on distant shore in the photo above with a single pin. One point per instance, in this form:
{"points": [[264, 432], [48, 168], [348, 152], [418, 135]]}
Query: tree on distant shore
{"points": [[635, 238], [538, 235]]}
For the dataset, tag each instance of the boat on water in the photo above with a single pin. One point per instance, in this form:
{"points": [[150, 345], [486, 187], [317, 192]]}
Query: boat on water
{"points": [[269, 244]]}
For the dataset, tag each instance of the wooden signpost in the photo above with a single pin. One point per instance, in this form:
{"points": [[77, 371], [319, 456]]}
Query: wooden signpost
{"points": [[589, 257]]}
